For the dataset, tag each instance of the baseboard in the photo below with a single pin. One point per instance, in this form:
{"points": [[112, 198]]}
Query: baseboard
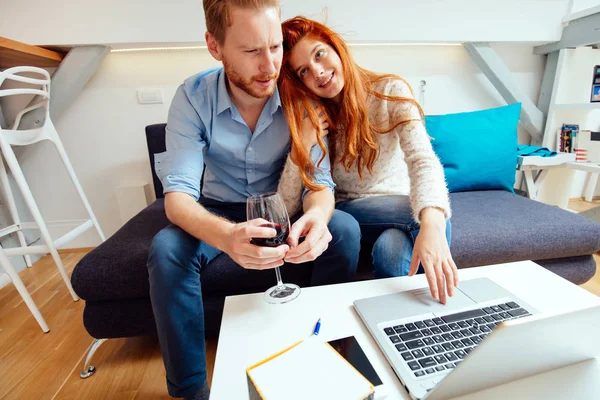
{"points": [[595, 198], [75, 250]]}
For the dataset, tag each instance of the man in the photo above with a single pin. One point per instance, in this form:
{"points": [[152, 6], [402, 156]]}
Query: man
{"points": [[228, 123]]}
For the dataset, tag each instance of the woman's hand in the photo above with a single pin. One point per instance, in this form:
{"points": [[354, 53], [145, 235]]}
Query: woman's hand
{"points": [[432, 251]]}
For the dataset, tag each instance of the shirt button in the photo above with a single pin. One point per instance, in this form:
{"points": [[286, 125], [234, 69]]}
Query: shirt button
{"points": [[249, 171], [249, 148]]}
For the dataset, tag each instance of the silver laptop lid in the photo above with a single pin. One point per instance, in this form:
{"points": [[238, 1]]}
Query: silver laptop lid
{"points": [[524, 347], [382, 311]]}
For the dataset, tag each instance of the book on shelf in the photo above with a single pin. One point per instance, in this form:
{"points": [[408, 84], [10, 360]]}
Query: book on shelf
{"points": [[583, 143], [567, 136]]}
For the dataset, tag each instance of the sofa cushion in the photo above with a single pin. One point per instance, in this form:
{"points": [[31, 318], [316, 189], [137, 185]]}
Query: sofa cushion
{"points": [[117, 268], [477, 149], [134, 317], [490, 227]]}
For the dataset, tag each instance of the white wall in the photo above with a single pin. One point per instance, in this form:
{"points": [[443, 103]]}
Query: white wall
{"points": [[103, 131], [121, 23]]}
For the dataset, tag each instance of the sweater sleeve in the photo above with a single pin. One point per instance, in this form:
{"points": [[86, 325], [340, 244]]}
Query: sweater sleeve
{"points": [[291, 187], [427, 181]]}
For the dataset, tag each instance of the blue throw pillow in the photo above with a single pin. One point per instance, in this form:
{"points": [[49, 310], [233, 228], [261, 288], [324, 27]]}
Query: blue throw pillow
{"points": [[477, 149]]}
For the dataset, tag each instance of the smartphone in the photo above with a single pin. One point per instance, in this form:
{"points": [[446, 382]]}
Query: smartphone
{"points": [[349, 348]]}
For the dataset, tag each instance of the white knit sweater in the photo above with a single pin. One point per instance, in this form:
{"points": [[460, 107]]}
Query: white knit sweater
{"points": [[406, 164]]}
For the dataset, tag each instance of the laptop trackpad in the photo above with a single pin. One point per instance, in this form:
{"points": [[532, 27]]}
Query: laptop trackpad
{"points": [[422, 299], [409, 304], [419, 301]]}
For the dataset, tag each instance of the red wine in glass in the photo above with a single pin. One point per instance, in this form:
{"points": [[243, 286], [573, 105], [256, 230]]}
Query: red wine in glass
{"points": [[270, 208], [277, 240]]}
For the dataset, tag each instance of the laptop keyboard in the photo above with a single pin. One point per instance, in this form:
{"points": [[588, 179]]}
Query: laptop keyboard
{"points": [[438, 344]]}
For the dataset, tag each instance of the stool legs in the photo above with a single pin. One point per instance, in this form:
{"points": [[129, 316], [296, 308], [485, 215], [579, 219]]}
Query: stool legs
{"points": [[13, 164], [65, 160], [12, 207], [14, 277]]}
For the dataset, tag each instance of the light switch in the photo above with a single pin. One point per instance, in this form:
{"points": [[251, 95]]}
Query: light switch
{"points": [[150, 96]]}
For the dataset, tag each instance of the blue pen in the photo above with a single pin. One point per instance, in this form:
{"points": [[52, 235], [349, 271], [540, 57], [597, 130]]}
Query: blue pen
{"points": [[317, 327]]}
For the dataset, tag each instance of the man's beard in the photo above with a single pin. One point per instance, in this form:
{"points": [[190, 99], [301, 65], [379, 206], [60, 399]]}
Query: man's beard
{"points": [[236, 79]]}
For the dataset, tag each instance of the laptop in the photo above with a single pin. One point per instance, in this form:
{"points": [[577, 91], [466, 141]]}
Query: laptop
{"points": [[483, 337]]}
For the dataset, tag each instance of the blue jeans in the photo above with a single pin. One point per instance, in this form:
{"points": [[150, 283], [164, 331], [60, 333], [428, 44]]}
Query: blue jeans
{"points": [[386, 222], [176, 260]]}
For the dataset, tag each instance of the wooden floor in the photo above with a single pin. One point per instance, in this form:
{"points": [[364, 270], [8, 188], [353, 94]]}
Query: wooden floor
{"points": [[34, 365], [580, 205]]}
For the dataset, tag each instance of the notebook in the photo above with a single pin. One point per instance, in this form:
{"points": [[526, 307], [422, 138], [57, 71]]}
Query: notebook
{"points": [[310, 369]]}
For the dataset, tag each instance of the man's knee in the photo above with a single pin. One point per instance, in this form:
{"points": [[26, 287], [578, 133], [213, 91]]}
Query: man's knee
{"points": [[344, 230], [170, 248]]}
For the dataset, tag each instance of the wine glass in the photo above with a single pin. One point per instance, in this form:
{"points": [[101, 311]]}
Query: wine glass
{"points": [[270, 207]]}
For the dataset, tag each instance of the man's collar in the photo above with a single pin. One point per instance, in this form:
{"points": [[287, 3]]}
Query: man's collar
{"points": [[224, 101]]}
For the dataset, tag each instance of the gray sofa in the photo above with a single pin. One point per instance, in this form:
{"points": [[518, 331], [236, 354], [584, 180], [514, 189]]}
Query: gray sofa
{"points": [[489, 227]]}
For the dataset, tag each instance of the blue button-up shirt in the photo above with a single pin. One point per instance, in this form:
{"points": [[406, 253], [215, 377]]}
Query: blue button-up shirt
{"points": [[205, 130]]}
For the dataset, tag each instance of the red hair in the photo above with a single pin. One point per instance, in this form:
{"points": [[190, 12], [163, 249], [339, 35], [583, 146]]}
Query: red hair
{"points": [[351, 114]]}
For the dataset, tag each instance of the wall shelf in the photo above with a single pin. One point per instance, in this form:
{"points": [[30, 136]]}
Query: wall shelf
{"points": [[13, 54], [577, 106], [581, 14]]}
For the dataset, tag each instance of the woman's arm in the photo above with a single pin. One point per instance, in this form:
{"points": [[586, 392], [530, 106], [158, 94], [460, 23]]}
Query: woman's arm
{"points": [[428, 196], [290, 184], [427, 181]]}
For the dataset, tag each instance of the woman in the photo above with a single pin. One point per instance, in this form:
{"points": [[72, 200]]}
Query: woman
{"points": [[386, 173]]}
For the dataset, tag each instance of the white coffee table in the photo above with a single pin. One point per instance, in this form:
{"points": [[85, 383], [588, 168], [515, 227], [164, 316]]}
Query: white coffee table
{"points": [[253, 329]]}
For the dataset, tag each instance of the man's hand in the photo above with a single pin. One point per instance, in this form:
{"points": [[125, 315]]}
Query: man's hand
{"points": [[431, 250], [313, 224], [251, 256], [309, 133]]}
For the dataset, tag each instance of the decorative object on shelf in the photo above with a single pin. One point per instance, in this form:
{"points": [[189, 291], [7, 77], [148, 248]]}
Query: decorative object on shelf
{"points": [[581, 155], [596, 85], [587, 147], [581, 145], [567, 137]]}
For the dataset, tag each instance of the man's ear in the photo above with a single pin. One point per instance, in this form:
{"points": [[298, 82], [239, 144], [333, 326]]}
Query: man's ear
{"points": [[213, 46]]}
